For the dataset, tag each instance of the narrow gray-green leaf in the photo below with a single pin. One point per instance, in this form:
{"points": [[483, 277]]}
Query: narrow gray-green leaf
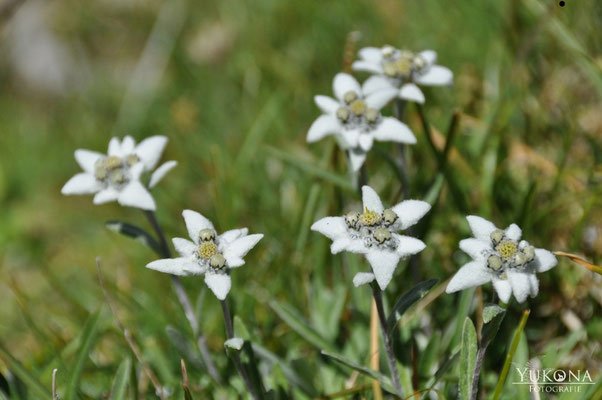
{"points": [[135, 233], [299, 324], [384, 380], [491, 311], [120, 382], [86, 341], [468, 358], [406, 300]]}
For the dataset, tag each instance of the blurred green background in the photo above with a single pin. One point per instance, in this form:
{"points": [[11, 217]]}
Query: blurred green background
{"points": [[231, 84]]}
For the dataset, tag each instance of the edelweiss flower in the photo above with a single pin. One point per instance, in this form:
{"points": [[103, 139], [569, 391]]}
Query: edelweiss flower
{"points": [[356, 119], [208, 253], [501, 257], [401, 69], [116, 176], [374, 234]]}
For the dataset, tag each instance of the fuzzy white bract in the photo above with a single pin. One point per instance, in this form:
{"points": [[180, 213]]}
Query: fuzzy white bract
{"points": [[208, 254], [355, 119], [116, 175], [402, 70], [374, 233], [501, 257]]}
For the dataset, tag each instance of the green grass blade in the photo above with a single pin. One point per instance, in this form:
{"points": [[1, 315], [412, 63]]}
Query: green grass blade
{"points": [[514, 344], [468, 358], [120, 382], [297, 323], [24, 375], [87, 339]]}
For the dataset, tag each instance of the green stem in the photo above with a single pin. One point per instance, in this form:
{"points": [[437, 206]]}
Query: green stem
{"points": [[513, 346], [386, 339]]}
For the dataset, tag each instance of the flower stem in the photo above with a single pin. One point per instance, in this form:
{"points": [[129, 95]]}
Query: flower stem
{"points": [[489, 332], [235, 357], [184, 300], [378, 299]]}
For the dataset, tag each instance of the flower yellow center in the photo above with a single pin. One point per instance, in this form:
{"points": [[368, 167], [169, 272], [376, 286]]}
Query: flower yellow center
{"points": [[507, 249], [358, 107], [404, 66], [112, 162], [369, 218], [207, 249]]}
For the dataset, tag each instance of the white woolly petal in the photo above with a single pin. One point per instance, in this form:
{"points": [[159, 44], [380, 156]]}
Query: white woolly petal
{"points": [[356, 158], [160, 172], [393, 130], [365, 141], [475, 248], [323, 126], [411, 92], [136, 170], [533, 285], [544, 260], [82, 183], [367, 66], [219, 284], [377, 83], [408, 245], [234, 343], [481, 228], [114, 147], [521, 288], [331, 227], [136, 195], [381, 98], [383, 265], [436, 76], [327, 104], [184, 247], [87, 159], [241, 246], [175, 266], [233, 234], [362, 278], [503, 289], [235, 262], [340, 244], [195, 222], [513, 232], [128, 145], [411, 211], [344, 83], [474, 273], [150, 150], [373, 54], [371, 200], [430, 56], [350, 138], [106, 196]]}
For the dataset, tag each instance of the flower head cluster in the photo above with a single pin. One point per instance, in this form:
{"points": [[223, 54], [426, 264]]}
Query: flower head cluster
{"points": [[208, 253], [501, 257], [116, 175], [356, 120], [374, 233], [402, 70]]}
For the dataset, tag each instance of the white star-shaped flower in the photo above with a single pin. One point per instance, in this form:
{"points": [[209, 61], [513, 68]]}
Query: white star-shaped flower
{"points": [[208, 254], [374, 233], [401, 69], [501, 257], [356, 120], [116, 176]]}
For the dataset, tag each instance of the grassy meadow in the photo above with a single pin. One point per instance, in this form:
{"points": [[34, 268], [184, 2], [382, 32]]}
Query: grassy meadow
{"points": [[231, 84]]}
